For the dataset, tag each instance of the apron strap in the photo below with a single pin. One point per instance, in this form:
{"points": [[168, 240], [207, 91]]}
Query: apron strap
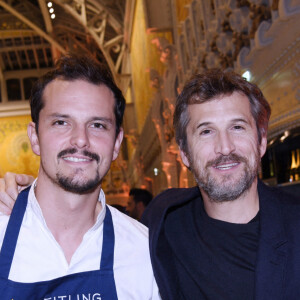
{"points": [[14, 226], [107, 257], [12, 233]]}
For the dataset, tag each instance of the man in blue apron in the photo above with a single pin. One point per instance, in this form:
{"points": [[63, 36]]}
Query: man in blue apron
{"points": [[62, 241]]}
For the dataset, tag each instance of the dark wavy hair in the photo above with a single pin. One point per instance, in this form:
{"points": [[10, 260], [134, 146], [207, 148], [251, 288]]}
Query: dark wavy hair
{"points": [[141, 195], [208, 86], [73, 67]]}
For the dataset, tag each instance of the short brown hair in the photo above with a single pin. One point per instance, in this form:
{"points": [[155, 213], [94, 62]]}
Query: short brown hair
{"points": [[73, 67], [214, 83]]}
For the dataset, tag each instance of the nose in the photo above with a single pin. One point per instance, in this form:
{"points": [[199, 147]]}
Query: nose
{"points": [[79, 137], [224, 144]]}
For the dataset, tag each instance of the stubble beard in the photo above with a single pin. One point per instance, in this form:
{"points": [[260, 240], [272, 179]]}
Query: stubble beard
{"points": [[76, 183], [225, 188], [70, 184]]}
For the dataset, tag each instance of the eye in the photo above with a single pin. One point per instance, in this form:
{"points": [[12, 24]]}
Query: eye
{"points": [[238, 127], [98, 125], [205, 132], [60, 123]]}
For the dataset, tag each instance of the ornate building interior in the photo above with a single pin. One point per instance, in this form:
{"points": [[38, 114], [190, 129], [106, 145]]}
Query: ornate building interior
{"points": [[152, 47]]}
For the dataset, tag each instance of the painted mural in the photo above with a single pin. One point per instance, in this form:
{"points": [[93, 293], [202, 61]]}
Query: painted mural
{"points": [[15, 150]]}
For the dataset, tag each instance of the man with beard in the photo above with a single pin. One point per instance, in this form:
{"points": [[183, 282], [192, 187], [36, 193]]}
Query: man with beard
{"points": [[62, 241], [231, 237]]}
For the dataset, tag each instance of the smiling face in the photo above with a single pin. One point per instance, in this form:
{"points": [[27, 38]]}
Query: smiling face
{"points": [[77, 135], [223, 149]]}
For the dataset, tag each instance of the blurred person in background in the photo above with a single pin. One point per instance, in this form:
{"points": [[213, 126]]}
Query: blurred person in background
{"points": [[137, 202]]}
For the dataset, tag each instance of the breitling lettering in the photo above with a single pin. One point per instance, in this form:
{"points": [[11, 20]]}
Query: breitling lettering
{"points": [[95, 296]]}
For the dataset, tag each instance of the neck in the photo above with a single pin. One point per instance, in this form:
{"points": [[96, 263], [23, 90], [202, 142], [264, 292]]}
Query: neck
{"points": [[68, 216], [240, 211]]}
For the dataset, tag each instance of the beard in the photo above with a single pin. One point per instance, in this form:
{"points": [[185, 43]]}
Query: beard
{"points": [[226, 188], [76, 182], [70, 184]]}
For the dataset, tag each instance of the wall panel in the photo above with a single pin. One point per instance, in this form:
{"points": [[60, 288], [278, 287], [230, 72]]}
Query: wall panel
{"points": [[15, 150]]}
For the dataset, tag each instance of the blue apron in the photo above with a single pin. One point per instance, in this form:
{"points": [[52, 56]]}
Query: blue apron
{"points": [[91, 285]]}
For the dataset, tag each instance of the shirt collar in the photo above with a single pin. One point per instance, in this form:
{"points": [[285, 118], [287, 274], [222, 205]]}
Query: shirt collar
{"points": [[35, 207]]}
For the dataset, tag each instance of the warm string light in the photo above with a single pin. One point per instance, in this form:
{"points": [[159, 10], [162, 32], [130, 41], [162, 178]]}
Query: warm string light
{"points": [[51, 10]]}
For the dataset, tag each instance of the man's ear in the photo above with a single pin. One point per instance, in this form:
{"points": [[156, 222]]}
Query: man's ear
{"points": [[33, 137], [184, 158], [118, 143], [263, 145]]}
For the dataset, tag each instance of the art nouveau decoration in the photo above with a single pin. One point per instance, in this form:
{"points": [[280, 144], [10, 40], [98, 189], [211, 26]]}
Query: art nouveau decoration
{"points": [[152, 48], [258, 36]]}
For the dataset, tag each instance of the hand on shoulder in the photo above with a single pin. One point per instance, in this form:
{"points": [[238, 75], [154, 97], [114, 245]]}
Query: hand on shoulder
{"points": [[10, 186]]}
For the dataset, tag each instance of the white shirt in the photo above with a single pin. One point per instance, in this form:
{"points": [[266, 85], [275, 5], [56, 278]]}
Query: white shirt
{"points": [[38, 256]]}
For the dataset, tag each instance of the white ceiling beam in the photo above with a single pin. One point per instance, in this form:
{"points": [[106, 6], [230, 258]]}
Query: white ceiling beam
{"points": [[15, 33], [36, 59], [114, 41], [23, 47], [11, 66], [116, 25]]}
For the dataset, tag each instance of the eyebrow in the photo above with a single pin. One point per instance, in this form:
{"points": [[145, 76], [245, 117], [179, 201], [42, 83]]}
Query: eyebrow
{"points": [[237, 120], [240, 120], [103, 119], [56, 115], [203, 124], [64, 116]]}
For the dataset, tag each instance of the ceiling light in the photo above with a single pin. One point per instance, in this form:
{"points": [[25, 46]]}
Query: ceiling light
{"points": [[285, 135], [49, 4], [53, 16], [271, 142], [247, 75], [51, 10]]}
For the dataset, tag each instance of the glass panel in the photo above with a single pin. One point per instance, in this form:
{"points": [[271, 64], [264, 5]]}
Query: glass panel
{"points": [[13, 89], [28, 83]]}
